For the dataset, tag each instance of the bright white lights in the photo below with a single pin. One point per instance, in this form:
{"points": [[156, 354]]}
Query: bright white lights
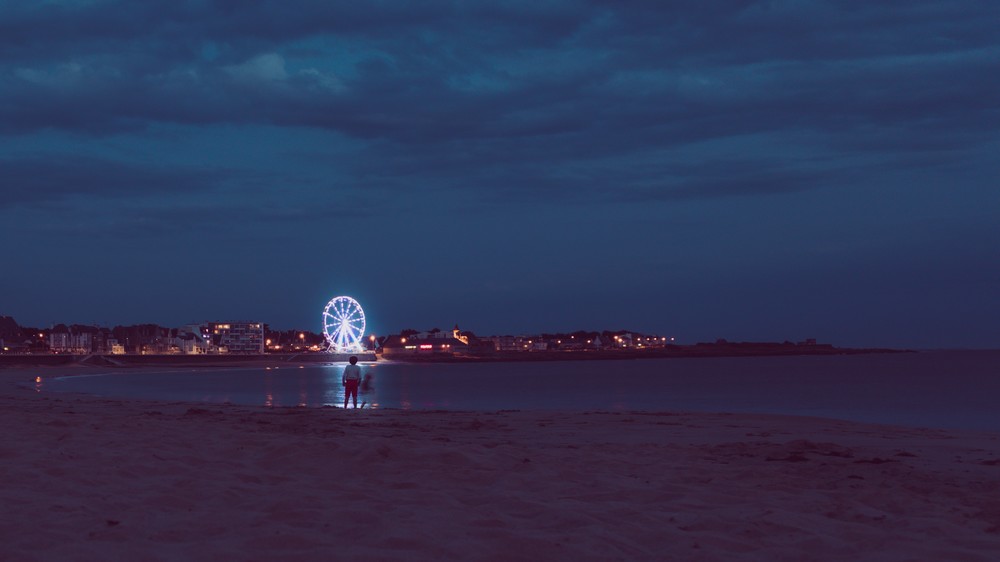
{"points": [[343, 325]]}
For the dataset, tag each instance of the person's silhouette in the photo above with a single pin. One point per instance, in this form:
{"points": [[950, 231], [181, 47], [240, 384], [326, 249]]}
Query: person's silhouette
{"points": [[351, 380]]}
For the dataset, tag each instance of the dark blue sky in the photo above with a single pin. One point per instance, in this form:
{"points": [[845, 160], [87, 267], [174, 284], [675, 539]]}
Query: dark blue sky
{"points": [[748, 170]]}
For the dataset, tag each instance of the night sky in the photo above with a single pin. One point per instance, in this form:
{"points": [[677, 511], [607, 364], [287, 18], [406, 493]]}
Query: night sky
{"points": [[741, 170]]}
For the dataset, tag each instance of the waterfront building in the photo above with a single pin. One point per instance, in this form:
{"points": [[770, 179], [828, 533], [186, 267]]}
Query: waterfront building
{"points": [[140, 338], [508, 343], [63, 340], [438, 333], [59, 341], [236, 337], [192, 340], [81, 343], [400, 345], [114, 347]]}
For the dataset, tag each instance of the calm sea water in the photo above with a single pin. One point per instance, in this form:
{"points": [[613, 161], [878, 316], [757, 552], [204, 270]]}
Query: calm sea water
{"points": [[946, 389]]}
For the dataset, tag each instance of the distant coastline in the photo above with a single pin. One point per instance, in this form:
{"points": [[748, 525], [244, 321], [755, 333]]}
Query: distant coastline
{"points": [[728, 349], [174, 360]]}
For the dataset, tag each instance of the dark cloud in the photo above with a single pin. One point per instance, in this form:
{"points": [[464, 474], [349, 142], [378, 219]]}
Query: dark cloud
{"points": [[427, 69], [449, 89], [51, 178], [223, 222]]}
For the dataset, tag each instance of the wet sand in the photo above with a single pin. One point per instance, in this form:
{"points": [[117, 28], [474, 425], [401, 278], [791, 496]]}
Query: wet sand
{"points": [[88, 478]]}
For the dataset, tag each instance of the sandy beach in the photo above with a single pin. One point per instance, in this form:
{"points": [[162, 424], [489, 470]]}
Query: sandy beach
{"points": [[87, 478]]}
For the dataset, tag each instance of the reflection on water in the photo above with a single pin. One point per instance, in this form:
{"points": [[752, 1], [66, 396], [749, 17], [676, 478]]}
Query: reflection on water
{"points": [[303, 393], [334, 394], [404, 399], [935, 389]]}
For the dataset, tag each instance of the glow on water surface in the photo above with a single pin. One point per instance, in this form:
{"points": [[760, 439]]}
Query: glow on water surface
{"points": [[936, 389]]}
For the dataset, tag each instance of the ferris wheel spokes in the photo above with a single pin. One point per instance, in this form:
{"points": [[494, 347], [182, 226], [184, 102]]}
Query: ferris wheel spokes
{"points": [[343, 324]]}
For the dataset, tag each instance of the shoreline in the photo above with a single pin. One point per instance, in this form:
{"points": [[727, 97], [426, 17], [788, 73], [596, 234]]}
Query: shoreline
{"points": [[692, 352], [98, 478], [696, 351], [126, 362]]}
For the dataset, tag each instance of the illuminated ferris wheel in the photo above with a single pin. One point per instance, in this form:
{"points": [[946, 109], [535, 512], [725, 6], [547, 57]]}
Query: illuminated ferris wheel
{"points": [[343, 325]]}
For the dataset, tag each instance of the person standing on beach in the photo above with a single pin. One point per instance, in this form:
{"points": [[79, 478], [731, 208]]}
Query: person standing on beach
{"points": [[351, 380]]}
